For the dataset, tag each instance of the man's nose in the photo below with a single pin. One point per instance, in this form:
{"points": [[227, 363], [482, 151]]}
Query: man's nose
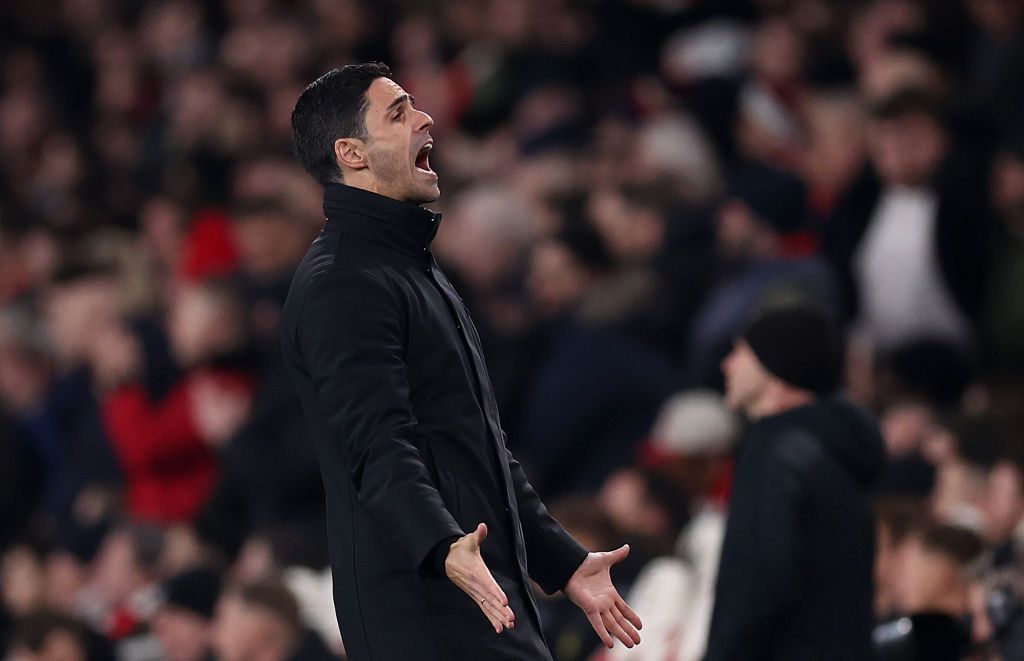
{"points": [[426, 121]]}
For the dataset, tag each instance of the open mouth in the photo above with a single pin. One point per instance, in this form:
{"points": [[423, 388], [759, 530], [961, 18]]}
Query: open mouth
{"points": [[423, 158]]}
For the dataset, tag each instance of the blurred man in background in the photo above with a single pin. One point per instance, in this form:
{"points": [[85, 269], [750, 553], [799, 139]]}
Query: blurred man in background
{"points": [[796, 570], [260, 621], [690, 448], [182, 623]]}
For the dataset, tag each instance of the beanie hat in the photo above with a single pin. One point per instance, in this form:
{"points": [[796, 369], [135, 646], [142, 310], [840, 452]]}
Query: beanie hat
{"points": [[800, 345], [194, 590]]}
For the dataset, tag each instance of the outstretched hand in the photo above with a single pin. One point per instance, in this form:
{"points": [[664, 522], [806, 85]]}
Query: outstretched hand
{"points": [[466, 568], [591, 589]]}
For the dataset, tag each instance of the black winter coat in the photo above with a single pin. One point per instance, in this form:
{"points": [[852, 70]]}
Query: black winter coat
{"points": [[388, 366], [795, 580]]}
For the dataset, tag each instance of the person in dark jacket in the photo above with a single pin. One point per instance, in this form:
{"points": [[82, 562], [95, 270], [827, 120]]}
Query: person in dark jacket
{"points": [[795, 580], [910, 238], [434, 530]]}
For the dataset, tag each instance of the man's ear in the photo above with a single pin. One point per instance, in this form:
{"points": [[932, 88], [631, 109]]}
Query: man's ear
{"points": [[350, 153]]}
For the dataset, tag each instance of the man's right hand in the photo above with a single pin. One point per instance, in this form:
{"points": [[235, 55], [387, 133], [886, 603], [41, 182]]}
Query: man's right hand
{"points": [[465, 567]]}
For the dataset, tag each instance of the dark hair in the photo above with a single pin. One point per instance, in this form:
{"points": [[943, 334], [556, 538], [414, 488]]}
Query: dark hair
{"points": [[900, 516], [146, 540], [274, 598], [958, 544], [911, 101], [32, 631], [333, 106]]}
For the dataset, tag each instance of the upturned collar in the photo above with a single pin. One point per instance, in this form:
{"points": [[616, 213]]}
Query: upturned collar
{"points": [[400, 225]]}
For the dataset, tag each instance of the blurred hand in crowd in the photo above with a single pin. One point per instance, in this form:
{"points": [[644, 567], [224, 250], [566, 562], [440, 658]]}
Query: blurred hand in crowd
{"points": [[218, 409]]}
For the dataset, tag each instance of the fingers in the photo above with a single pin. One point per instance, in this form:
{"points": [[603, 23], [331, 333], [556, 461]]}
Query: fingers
{"points": [[611, 624], [492, 617], [490, 597], [602, 632], [628, 613], [497, 603], [503, 615], [632, 637]]}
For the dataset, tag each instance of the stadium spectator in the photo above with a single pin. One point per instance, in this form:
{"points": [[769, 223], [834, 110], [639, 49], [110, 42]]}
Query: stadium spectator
{"points": [[261, 622], [800, 540], [145, 150], [910, 237], [691, 445], [183, 622], [167, 447]]}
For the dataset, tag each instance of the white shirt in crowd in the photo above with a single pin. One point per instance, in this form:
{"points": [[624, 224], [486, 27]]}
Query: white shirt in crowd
{"points": [[903, 295], [674, 596]]}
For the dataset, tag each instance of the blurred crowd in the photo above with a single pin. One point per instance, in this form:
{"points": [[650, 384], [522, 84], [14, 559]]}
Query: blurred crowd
{"points": [[624, 182]]}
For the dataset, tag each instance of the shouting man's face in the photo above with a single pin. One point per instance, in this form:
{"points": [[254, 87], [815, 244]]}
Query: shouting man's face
{"points": [[398, 144]]}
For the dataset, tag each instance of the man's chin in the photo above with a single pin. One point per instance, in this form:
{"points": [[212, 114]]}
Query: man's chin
{"points": [[427, 195]]}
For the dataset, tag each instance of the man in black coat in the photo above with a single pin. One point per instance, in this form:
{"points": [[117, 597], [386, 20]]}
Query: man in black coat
{"points": [[795, 579], [390, 373]]}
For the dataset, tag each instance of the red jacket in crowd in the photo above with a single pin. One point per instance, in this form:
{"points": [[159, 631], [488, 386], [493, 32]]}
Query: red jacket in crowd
{"points": [[169, 468]]}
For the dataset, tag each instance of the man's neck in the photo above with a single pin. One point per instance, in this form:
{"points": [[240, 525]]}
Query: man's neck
{"points": [[777, 399], [367, 182]]}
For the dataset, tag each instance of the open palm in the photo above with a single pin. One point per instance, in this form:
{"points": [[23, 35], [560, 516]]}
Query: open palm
{"points": [[591, 589]]}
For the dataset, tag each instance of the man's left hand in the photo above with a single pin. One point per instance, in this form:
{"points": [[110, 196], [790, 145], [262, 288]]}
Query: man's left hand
{"points": [[591, 589]]}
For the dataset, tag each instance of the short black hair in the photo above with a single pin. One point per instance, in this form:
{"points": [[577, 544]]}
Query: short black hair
{"points": [[911, 101], [32, 631], [273, 597], [333, 106]]}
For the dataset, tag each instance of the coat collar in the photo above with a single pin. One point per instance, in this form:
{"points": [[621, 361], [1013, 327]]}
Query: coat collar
{"points": [[400, 225]]}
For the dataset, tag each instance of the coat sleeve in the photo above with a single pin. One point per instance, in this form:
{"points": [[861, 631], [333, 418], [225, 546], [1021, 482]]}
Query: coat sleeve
{"points": [[351, 338], [552, 553], [759, 578]]}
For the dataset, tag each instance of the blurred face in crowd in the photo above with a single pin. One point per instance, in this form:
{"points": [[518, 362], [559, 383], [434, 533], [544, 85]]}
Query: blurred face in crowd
{"points": [[746, 379], [959, 492], [625, 498], [270, 242], [242, 632], [929, 580], [556, 278], [999, 17], [905, 426], [906, 149], [75, 311], [739, 233], [394, 159], [21, 581], [116, 573], [632, 232], [1004, 501], [65, 577], [24, 378], [201, 324], [185, 635], [59, 645]]}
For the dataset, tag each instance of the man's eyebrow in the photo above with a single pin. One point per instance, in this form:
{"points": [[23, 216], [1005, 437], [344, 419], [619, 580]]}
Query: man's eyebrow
{"points": [[399, 101]]}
